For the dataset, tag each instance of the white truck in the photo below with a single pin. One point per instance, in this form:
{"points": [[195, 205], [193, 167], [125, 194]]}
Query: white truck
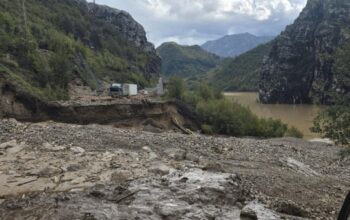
{"points": [[118, 90], [129, 89]]}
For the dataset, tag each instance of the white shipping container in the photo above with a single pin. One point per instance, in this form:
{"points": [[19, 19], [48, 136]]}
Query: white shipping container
{"points": [[129, 89]]}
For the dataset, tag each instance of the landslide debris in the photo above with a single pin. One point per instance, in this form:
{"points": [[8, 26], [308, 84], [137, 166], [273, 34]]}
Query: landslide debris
{"points": [[51, 170]]}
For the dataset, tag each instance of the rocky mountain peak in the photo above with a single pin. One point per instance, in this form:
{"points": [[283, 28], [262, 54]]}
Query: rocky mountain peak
{"points": [[299, 68], [122, 21]]}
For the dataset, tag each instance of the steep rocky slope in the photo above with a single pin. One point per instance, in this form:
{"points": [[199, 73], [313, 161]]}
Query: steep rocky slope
{"points": [[48, 46], [61, 171], [185, 61], [240, 73], [235, 45], [300, 66]]}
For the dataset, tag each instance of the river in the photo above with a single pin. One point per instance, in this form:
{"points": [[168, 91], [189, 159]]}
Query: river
{"points": [[299, 116]]}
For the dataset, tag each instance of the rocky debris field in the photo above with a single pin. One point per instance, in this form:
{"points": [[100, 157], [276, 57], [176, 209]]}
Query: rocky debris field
{"points": [[62, 171]]}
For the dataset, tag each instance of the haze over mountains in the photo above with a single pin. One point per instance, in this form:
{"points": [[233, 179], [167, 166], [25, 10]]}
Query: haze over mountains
{"points": [[239, 73], [235, 45]]}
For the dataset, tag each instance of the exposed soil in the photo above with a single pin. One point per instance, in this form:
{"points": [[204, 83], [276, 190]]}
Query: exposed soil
{"points": [[139, 111], [51, 170]]}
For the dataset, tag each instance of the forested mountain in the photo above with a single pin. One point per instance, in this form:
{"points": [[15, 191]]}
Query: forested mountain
{"points": [[46, 44], [185, 61], [241, 73]]}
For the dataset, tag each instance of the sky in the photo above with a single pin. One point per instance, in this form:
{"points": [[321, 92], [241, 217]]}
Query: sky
{"points": [[197, 21]]}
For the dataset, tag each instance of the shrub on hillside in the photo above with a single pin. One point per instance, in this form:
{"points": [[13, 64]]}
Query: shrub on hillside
{"points": [[219, 115]]}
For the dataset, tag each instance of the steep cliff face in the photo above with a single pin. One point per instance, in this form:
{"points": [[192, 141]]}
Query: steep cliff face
{"points": [[132, 32], [124, 23], [299, 68]]}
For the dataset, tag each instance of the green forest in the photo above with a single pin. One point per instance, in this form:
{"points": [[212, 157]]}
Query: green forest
{"points": [[240, 73], [46, 43], [186, 61]]}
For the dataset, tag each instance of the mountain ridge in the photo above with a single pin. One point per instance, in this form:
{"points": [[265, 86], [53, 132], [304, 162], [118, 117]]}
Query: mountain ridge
{"points": [[185, 61], [235, 45], [242, 72]]}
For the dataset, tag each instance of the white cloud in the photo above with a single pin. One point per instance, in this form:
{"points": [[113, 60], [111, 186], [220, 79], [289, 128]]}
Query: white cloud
{"points": [[195, 21]]}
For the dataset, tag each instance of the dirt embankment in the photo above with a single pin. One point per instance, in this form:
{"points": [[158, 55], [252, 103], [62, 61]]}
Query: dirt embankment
{"points": [[156, 116], [64, 171]]}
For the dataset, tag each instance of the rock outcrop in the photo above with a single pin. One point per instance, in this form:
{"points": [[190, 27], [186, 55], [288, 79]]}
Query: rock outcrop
{"points": [[73, 41], [131, 31], [299, 68], [124, 23]]}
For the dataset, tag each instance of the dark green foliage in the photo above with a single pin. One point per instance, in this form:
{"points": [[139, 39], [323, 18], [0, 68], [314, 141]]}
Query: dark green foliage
{"points": [[176, 88], [334, 123], [63, 40], [207, 129], [226, 117], [185, 61], [241, 73], [294, 132], [219, 115]]}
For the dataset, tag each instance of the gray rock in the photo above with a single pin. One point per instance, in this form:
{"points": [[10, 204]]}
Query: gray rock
{"points": [[160, 169], [73, 167], [121, 176], [248, 214], [48, 171], [176, 153], [51, 147], [299, 68], [11, 147], [78, 181], [7, 145], [192, 157], [78, 150]]}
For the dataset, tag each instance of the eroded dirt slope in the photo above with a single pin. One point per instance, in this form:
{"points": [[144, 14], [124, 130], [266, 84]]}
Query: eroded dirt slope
{"points": [[61, 171]]}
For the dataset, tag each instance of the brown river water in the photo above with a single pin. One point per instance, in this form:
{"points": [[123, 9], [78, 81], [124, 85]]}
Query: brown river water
{"points": [[299, 116]]}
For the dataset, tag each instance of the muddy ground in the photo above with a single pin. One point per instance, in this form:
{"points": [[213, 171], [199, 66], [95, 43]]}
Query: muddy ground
{"points": [[62, 171]]}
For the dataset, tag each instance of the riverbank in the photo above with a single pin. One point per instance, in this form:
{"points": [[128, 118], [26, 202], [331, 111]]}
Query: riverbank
{"points": [[299, 116], [51, 170]]}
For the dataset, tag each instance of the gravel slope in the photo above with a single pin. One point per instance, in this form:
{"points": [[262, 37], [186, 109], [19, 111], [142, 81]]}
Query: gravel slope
{"points": [[61, 171]]}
